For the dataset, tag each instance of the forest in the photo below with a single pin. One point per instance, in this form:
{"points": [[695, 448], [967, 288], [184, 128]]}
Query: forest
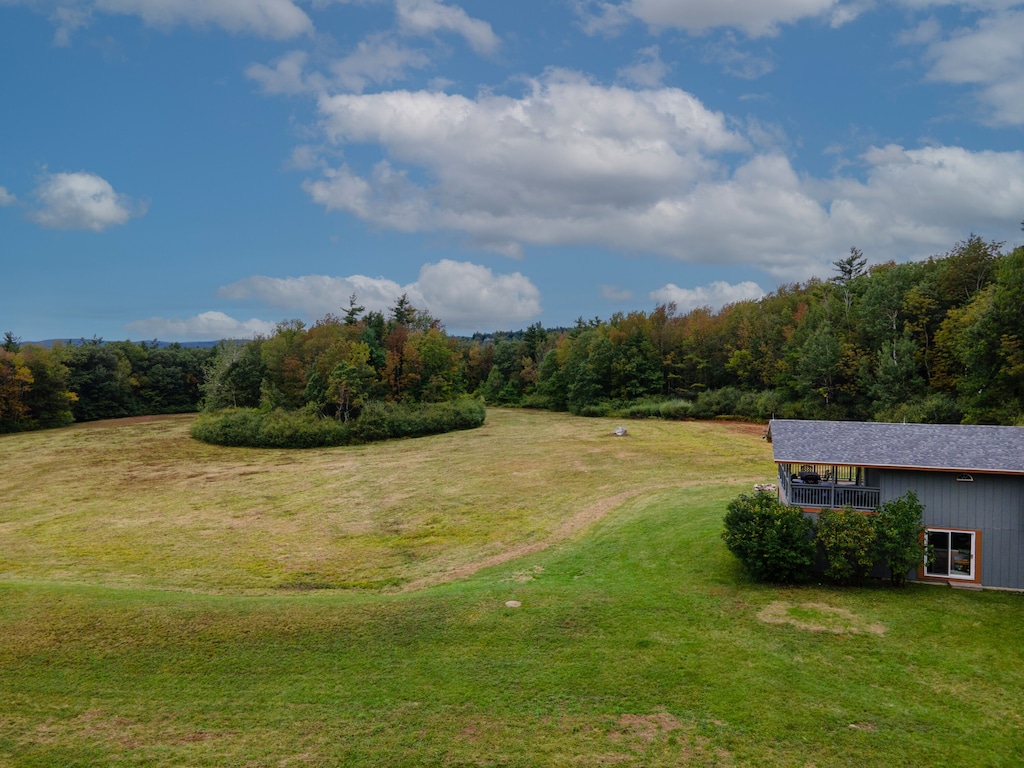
{"points": [[938, 340]]}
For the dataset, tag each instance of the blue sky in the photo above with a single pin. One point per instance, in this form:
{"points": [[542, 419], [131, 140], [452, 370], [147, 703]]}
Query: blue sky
{"points": [[199, 169]]}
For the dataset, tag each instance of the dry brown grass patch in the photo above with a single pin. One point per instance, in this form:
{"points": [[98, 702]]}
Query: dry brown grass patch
{"points": [[818, 617], [137, 502], [646, 728]]}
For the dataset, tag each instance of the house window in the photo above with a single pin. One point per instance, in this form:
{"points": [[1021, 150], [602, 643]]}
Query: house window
{"points": [[950, 554]]}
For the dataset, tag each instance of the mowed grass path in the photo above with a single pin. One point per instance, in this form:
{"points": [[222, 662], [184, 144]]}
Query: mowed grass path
{"points": [[637, 643]]}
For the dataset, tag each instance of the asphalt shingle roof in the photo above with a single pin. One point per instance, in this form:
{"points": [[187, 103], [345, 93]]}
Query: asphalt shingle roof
{"points": [[960, 447]]}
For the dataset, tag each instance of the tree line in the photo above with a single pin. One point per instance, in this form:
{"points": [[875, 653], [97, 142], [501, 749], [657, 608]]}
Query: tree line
{"points": [[334, 369], [93, 379], [938, 340]]}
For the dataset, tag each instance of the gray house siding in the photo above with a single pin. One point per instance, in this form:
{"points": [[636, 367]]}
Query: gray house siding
{"points": [[992, 504], [925, 458]]}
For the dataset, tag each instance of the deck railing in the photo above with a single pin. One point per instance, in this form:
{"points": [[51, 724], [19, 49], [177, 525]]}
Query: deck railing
{"points": [[827, 494]]}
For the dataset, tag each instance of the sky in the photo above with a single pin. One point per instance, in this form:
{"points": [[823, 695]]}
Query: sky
{"points": [[201, 169]]}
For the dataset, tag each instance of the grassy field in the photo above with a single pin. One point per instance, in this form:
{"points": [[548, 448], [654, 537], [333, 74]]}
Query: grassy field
{"points": [[168, 603]]}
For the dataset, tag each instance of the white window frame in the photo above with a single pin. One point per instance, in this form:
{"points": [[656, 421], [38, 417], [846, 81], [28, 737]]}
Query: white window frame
{"points": [[951, 574]]}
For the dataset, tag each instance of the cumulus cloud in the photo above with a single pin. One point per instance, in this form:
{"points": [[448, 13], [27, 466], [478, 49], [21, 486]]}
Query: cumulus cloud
{"points": [[6, 198], [303, 158], [504, 166], [206, 326], [847, 12], [968, 5], [377, 60], [755, 19], [471, 296], [278, 19], [424, 17], [647, 171], [461, 294], [928, 196], [81, 201], [286, 76], [991, 57], [716, 295], [647, 69], [314, 295], [266, 18]]}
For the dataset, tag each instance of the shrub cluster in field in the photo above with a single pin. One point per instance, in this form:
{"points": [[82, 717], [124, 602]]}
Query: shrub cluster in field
{"points": [[716, 403], [254, 428], [777, 543]]}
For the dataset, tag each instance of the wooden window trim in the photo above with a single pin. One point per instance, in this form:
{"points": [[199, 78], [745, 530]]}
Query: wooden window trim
{"points": [[976, 579]]}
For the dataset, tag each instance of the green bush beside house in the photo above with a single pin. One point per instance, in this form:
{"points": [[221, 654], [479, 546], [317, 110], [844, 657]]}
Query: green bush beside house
{"points": [[778, 543]]}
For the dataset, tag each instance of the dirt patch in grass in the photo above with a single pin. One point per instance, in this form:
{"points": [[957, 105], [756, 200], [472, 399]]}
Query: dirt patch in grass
{"points": [[528, 574], [743, 428], [651, 740], [819, 617], [869, 727], [95, 726], [646, 728]]}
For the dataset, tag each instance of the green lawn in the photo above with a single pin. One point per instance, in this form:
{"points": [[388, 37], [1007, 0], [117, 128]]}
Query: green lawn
{"points": [[638, 641]]}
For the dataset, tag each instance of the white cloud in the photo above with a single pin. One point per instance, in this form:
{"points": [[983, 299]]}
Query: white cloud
{"points": [[967, 5], [462, 295], [648, 171], [844, 14], [286, 76], [990, 56], [927, 31], [716, 295], [470, 296], [926, 198], [68, 20], [315, 295], [303, 158], [278, 19], [6, 198], [424, 17], [755, 19], [647, 69], [377, 60], [735, 61], [81, 201], [207, 326], [504, 168], [265, 18], [602, 18], [614, 293]]}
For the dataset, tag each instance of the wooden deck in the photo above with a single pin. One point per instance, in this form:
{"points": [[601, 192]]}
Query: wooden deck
{"points": [[826, 493]]}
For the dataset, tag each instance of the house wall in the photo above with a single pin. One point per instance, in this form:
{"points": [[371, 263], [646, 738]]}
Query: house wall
{"points": [[992, 504]]}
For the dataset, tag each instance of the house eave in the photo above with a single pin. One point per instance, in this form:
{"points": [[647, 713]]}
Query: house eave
{"points": [[913, 467]]}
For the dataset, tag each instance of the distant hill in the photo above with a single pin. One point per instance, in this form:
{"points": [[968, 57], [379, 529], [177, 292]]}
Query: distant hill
{"points": [[47, 343]]}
